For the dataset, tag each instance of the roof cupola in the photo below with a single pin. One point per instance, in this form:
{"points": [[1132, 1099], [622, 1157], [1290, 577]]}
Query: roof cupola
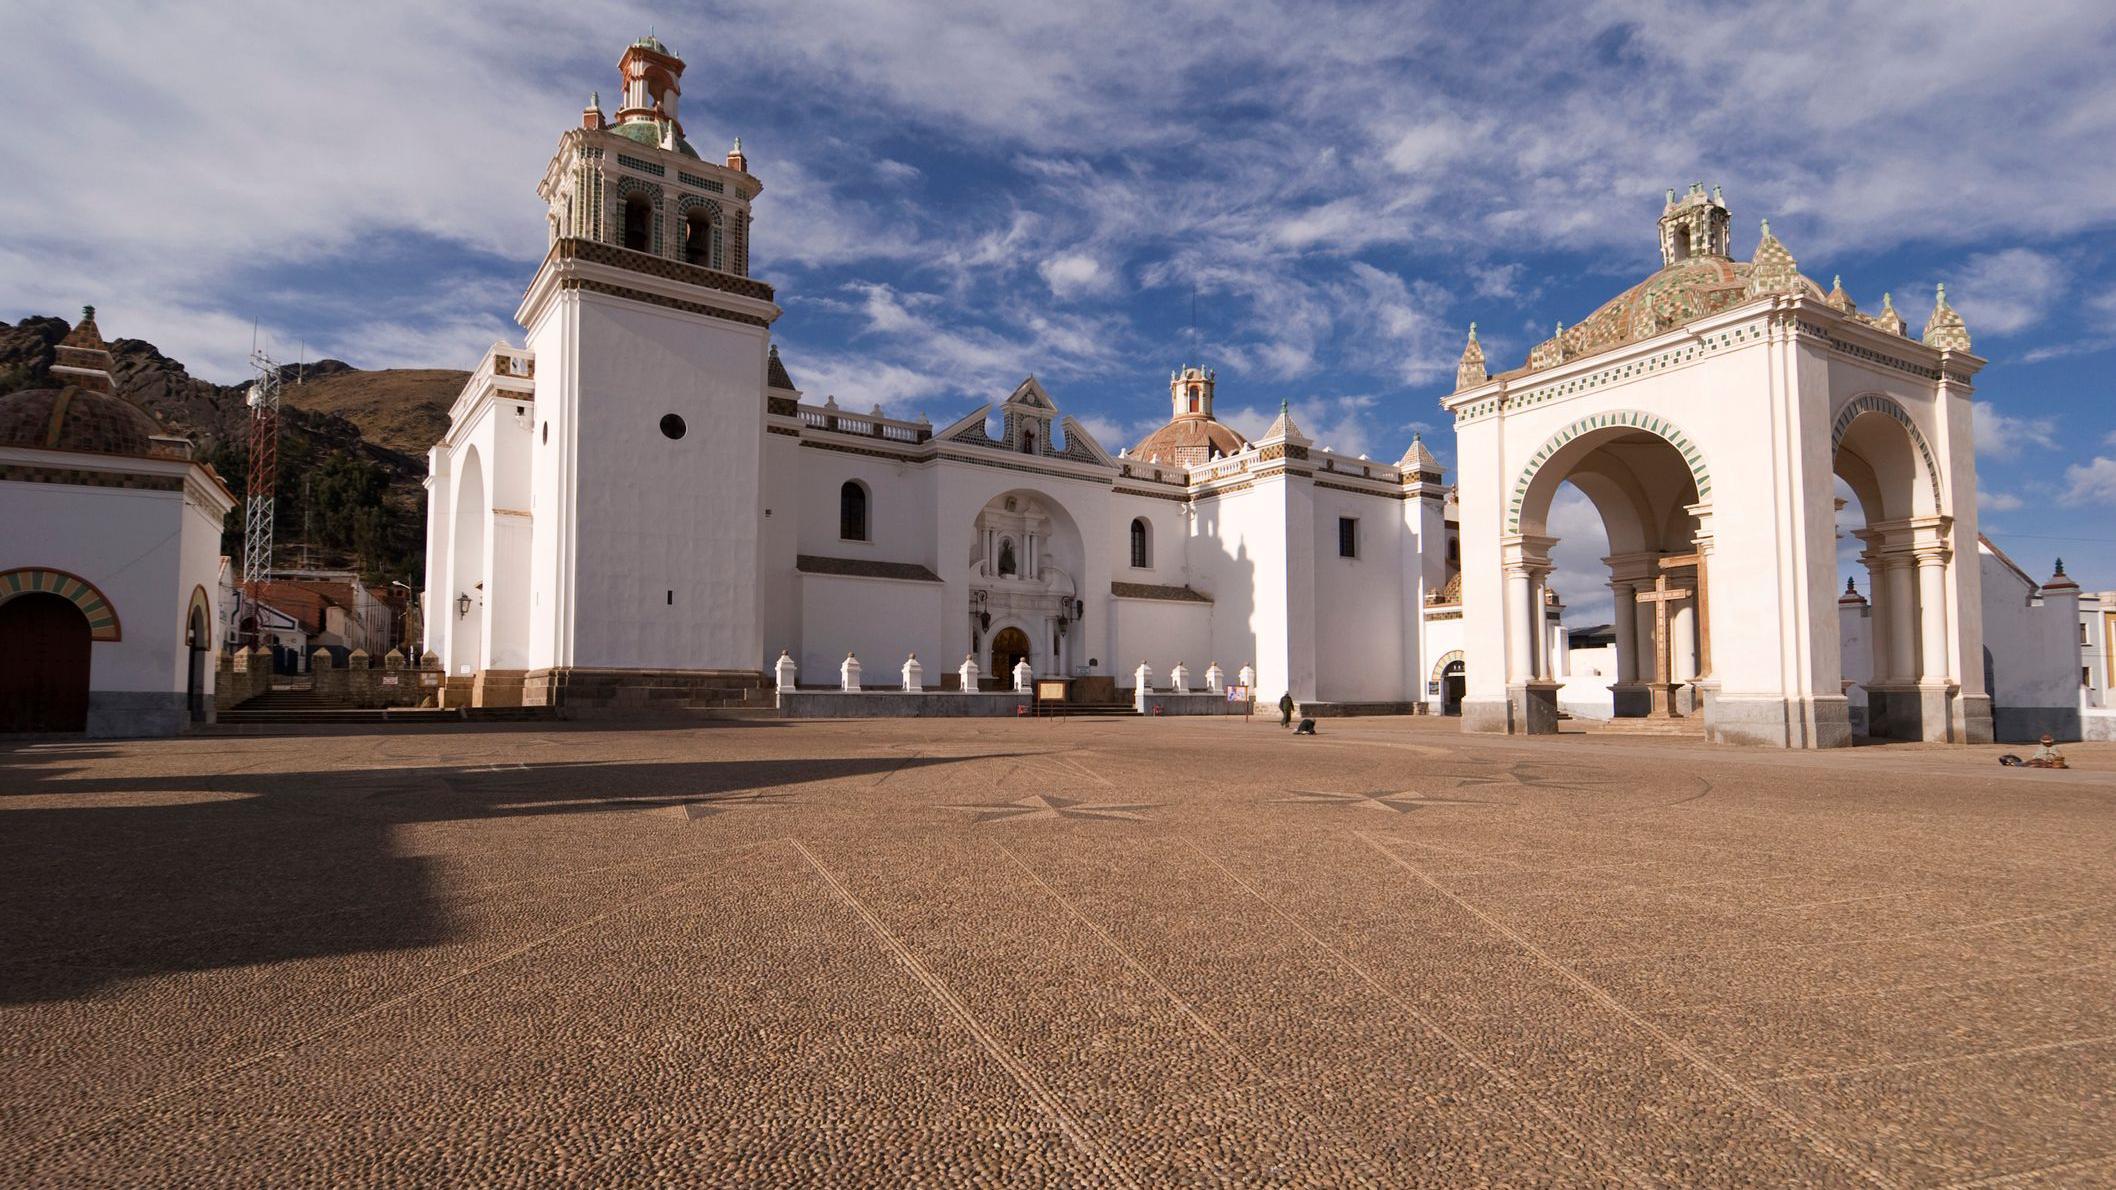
{"points": [[1696, 224]]}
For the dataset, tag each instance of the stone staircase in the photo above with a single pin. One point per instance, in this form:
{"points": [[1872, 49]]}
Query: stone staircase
{"points": [[1085, 710]]}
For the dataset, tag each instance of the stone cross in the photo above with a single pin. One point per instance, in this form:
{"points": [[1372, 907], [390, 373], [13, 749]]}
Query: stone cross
{"points": [[1663, 656]]}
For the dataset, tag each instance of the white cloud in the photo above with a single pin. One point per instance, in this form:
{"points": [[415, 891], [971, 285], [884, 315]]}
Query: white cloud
{"points": [[2004, 436], [1989, 500], [1075, 274], [2092, 483], [1578, 574]]}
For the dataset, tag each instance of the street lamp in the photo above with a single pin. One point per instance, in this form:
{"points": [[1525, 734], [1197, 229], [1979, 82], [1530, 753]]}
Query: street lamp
{"points": [[463, 605]]}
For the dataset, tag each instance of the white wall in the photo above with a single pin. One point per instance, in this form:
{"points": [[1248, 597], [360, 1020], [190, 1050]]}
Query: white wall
{"points": [[1359, 601], [131, 545], [2034, 643], [665, 534], [880, 620], [1161, 633]]}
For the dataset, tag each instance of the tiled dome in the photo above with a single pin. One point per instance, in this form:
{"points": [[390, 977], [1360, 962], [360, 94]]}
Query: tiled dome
{"points": [[76, 418], [1189, 441], [1682, 292]]}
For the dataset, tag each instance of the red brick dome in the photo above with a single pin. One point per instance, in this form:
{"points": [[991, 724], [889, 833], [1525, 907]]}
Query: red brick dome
{"points": [[1189, 441], [76, 418]]}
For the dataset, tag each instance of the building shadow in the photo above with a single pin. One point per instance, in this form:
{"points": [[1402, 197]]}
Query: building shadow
{"points": [[107, 879]]}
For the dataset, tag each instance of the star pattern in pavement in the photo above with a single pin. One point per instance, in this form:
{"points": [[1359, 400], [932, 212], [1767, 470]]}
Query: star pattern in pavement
{"points": [[1403, 802], [1045, 806], [1533, 774]]}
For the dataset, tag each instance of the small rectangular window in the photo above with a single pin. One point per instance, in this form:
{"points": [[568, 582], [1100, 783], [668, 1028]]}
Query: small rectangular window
{"points": [[1347, 537]]}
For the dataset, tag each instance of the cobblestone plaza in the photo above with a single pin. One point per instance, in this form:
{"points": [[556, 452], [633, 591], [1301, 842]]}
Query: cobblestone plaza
{"points": [[1084, 952]]}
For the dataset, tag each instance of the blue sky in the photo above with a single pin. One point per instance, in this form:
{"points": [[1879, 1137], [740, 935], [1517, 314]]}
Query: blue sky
{"points": [[958, 195]]}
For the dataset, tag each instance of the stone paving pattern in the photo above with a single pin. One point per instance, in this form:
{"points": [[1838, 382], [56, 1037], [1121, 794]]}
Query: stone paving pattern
{"points": [[1089, 952]]}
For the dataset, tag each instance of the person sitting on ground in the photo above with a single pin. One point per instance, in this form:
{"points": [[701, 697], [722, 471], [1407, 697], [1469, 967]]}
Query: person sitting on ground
{"points": [[2047, 757], [1285, 709]]}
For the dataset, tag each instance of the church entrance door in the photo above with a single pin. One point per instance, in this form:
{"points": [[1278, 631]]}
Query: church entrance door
{"points": [[44, 685], [1454, 683], [1010, 647]]}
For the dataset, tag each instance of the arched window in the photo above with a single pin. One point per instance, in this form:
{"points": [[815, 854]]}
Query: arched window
{"points": [[639, 223], [1682, 243], [1028, 441], [699, 233], [1141, 552], [852, 512], [1007, 566]]}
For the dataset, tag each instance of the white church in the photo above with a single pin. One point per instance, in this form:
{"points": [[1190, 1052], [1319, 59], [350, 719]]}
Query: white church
{"points": [[638, 503]]}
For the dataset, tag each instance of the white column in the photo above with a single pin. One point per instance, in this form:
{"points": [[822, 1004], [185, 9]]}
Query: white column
{"points": [[1520, 637], [1539, 623], [1877, 591], [1932, 609], [1902, 623], [1626, 625]]}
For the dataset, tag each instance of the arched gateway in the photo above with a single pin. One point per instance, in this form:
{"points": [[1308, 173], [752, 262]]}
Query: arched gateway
{"points": [[1707, 414]]}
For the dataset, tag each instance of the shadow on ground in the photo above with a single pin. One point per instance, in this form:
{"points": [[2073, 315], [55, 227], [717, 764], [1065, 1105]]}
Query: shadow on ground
{"points": [[107, 879]]}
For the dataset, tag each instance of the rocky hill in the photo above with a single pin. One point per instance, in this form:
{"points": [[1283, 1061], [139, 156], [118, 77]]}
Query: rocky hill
{"points": [[351, 451]]}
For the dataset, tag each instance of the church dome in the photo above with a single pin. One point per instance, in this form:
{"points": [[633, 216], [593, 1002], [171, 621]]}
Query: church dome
{"points": [[1679, 293], [648, 133], [1190, 441], [76, 418]]}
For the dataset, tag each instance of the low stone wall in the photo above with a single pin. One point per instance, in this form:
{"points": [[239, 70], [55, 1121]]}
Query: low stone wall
{"points": [[1348, 710], [2026, 725], [2098, 724], [1194, 703], [896, 704], [242, 676], [623, 693]]}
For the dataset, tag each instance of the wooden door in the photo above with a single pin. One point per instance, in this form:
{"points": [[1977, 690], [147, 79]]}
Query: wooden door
{"points": [[44, 682], [1010, 646]]}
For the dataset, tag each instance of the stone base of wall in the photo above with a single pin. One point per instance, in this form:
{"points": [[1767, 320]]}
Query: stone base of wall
{"points": [[1348, 710], [1196, 703], [1094, 688], [582, 693], [896, 704], [2098, 724], [1777, 722], [498, 687], [119, 713], [2026, 725], [1491, 716]]}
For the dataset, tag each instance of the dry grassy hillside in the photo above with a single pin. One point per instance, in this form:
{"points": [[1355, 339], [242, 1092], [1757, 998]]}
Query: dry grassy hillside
{"points": [[400, 409]]}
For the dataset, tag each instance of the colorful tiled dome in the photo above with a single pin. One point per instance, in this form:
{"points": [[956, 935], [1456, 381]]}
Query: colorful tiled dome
{"points": [[1680, 293], [1189, 441], [77, 418]]}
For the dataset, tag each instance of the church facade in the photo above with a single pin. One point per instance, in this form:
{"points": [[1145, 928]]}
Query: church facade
{"points": [[639, 504]]}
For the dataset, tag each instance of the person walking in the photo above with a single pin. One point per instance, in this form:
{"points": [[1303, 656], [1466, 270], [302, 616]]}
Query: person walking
{"points": [[1285, 709]]}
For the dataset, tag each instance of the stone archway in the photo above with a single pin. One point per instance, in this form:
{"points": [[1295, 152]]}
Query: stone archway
{"points": [[44, 684], [1648, 483], [1879, 454]]}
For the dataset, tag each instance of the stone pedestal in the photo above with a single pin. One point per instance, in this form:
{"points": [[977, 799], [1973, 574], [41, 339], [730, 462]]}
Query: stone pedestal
{"points": [[1630, 700], [1535, 707]]}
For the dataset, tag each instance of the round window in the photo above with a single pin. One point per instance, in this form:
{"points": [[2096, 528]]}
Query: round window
{"points": [[671, 426]]}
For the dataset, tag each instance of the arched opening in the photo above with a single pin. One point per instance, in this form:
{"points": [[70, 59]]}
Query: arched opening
{"points": [[1141, 544], [1024, 554], [465, 606], [1028, 440], [1454, 683], [852, 511], [1885, 489], [1614, 504], [44, 683], [639, 223], [1009, 565], [1010, 647], [198, 641], [701, 238], [1681, 244]]}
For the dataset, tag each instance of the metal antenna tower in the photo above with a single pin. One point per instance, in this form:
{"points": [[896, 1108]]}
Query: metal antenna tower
{"points": [[260, 491]]}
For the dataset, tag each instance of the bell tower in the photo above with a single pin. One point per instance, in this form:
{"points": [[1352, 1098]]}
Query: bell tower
{"points": [[645, 436], [1190, 392], [1694, 225]]}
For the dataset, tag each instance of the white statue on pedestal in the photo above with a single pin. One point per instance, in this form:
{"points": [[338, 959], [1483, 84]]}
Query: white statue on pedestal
{"points": [[914, 675], [1215, 679], [849, 675], [1023, 677], [1142, 680], [1247, 677], [968, 673], [1179, 679], [785, 670]]}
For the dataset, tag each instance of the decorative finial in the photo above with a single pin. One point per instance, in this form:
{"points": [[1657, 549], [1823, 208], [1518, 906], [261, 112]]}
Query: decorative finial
{"points": [[1282, 405], [1766, 228], [1469, 371], [1671, 196], [2060, 568], [1851, 585], [738, 144], [1717, 200], [88, 314], [1836, 280], [1945, 329]]}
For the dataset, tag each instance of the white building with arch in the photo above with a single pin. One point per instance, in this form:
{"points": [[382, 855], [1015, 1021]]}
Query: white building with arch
{"points": [[638, 504], [1709, 413]]}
